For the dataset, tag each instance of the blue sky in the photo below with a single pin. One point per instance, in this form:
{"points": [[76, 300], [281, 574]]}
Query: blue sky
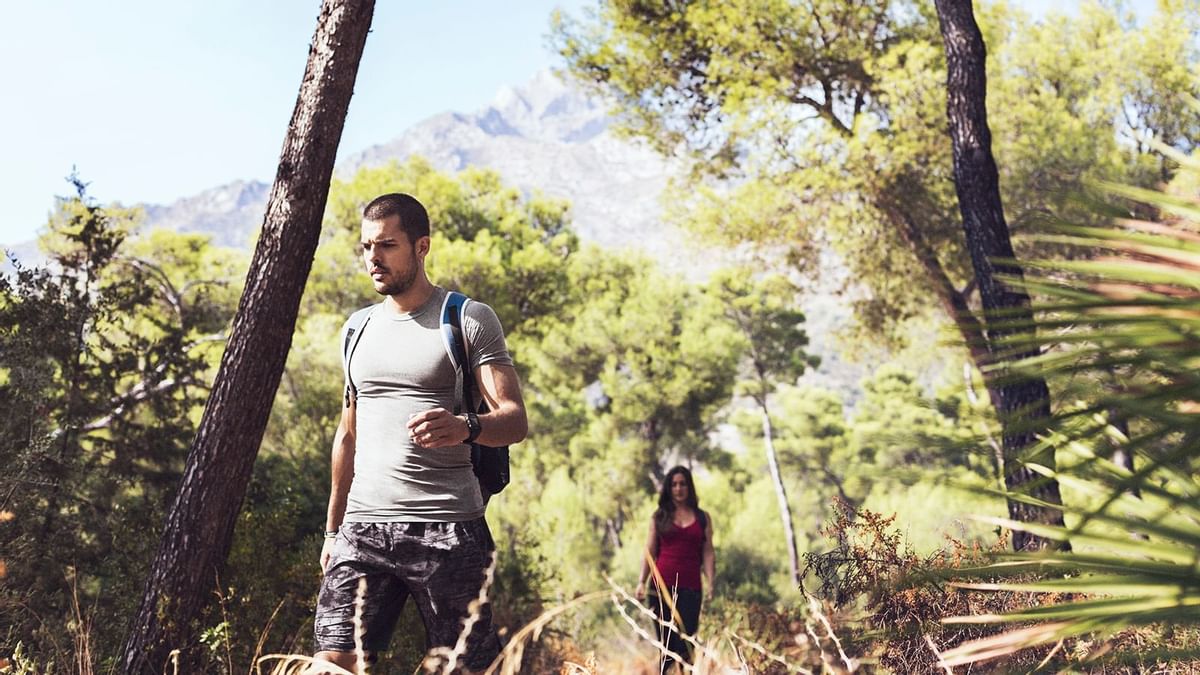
{"points": [[153, 100]]}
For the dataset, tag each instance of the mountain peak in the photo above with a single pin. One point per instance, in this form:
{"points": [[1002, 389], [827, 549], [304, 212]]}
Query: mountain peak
{"points": [[546, 135], [536, 96], [544, 107], [508, 98]]}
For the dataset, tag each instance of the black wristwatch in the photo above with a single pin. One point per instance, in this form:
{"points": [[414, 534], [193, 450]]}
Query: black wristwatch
{"points": [[473, 427]]}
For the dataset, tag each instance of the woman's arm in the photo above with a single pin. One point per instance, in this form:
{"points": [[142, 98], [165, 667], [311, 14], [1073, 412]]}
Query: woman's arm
{"points": [[710, 557], [650, 552]]}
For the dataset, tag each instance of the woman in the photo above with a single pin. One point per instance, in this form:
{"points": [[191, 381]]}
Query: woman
{"points": [[680, 543]]}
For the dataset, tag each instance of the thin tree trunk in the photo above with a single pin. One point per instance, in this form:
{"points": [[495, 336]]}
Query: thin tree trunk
{"points": [[74, 369], [199, 528], [1024, 404], [785, 509], [1121, 456], [953, 302]]}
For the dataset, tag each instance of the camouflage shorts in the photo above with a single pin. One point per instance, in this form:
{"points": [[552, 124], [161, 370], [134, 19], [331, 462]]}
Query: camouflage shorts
{"points": [[441, 565]]}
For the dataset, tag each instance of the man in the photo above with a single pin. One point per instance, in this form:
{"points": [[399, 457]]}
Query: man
{"points": [[405, 509]]}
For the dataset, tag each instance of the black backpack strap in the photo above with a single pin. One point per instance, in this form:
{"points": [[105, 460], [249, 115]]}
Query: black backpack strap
{"points": [[351, 334]]}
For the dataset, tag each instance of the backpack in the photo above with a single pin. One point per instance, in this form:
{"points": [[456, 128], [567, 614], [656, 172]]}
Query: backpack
{"points": [[491, 465]]}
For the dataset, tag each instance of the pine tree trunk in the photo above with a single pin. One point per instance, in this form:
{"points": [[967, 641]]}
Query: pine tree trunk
{"points": [[199, 528], [1024, 404], [785, 509]]}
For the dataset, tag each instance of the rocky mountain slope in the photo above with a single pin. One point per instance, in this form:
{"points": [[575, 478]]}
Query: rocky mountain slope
{"points": [[541, 136], [230, 213]]}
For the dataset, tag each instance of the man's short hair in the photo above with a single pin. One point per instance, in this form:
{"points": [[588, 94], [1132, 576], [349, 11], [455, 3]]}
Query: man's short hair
{"points": [[414, 220]]}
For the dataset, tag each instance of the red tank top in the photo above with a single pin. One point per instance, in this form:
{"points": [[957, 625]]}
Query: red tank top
{"points": [[680, 552]]}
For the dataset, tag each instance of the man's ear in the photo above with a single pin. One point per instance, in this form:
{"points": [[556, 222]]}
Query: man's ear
{"points": [[422, 247]]}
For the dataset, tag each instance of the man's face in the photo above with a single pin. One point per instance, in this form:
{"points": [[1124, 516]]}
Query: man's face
{"points": [[390, 259]]}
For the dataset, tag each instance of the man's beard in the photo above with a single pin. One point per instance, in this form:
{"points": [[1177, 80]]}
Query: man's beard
{"points": [[401, 284]]}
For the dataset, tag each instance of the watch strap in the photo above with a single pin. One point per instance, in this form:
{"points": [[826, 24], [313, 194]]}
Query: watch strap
{"points": [[473, 427]]}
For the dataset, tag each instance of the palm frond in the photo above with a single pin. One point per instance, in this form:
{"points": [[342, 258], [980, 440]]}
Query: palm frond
{"points": [[1127, 316]]}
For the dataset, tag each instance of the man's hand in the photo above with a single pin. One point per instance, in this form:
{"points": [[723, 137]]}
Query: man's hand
{"points": [[326, 550], [437, 428]]}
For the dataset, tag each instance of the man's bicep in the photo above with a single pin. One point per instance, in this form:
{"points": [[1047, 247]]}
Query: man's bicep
{"points": [[500, 385]]}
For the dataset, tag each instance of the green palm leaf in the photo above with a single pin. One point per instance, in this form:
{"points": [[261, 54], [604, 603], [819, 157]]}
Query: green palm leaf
{"points": [[1128, 313]]}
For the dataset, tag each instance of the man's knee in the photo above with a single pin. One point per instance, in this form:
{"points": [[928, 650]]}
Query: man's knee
{"points": [[345, 662]]}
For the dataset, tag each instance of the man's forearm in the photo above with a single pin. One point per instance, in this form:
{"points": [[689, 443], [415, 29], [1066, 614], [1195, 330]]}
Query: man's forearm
{"points": [[504, 426], [336, 511], [342, 475], [505, 423]]}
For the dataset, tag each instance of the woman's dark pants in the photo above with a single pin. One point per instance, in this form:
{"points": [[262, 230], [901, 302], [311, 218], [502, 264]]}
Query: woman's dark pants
{"points": [[687, 602]]}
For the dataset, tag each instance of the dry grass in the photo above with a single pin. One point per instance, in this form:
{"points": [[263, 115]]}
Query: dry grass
{"points": [[5, 516], [262, 639], [510, 658], [445, 659], [299, 664], [901, 600], [81, 632], [724, 652], [901, 597]]}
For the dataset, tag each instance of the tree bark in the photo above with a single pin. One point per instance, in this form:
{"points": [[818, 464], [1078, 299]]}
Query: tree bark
{"points": [[199, 527], [1024, 404], [785, 509]]}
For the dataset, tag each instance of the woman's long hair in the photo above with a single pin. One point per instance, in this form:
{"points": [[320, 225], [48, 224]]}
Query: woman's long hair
{"points": [[664, 517]]}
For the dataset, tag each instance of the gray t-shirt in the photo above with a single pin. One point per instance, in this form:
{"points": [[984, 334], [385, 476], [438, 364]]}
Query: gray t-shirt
{"points": [[399, 368]]}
